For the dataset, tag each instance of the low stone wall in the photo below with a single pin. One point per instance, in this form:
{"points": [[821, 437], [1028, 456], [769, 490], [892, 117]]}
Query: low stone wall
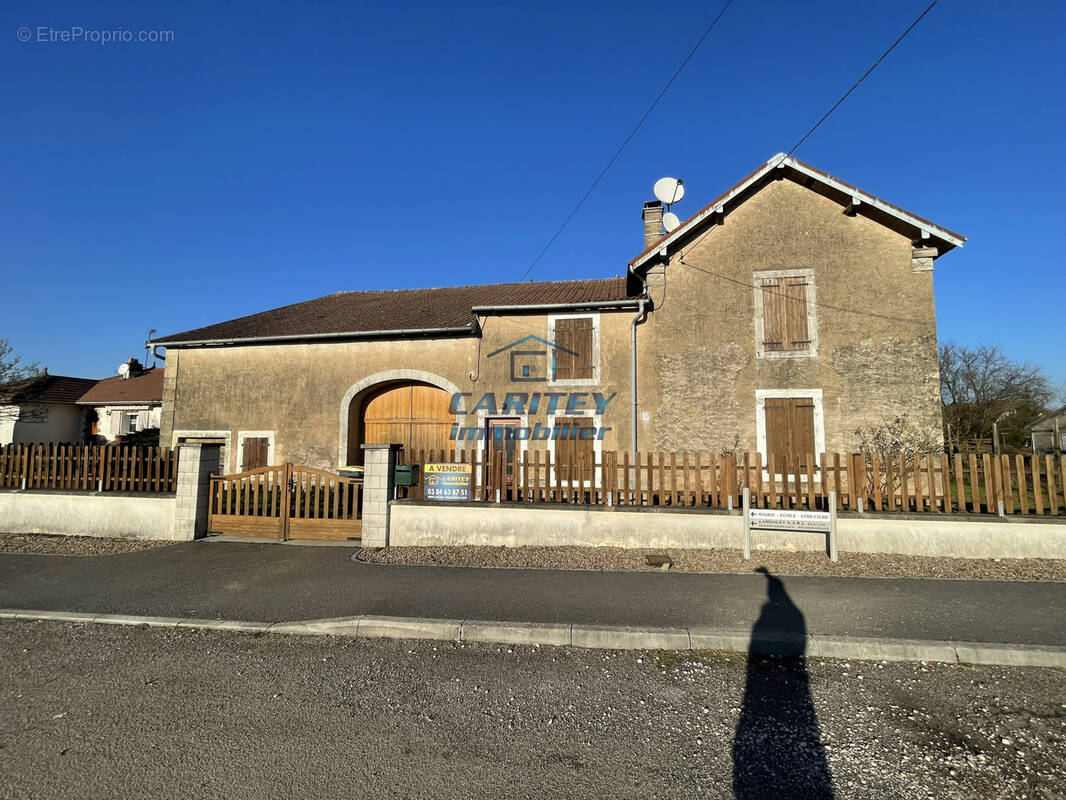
{"points": [[513, 525], [88, 514]]}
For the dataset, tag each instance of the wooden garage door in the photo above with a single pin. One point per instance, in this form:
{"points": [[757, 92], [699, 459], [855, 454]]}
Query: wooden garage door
{"points": [[412, 414]]}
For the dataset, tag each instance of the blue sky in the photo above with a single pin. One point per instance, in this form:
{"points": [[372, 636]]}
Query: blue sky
{"points": [[272, 153]]}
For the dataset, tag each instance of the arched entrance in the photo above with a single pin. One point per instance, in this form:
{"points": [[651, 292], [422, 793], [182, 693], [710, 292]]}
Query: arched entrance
{"points": [[404, 406]]}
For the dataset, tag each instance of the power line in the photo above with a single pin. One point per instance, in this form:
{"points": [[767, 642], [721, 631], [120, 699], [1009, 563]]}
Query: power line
{"points": [[748, 285], [865, 75], [625, 143], [836, 105]]}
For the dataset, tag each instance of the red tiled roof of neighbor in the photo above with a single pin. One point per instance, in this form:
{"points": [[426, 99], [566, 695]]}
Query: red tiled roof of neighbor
{"points": [[410, 310], [144, 388], [46, 388]]}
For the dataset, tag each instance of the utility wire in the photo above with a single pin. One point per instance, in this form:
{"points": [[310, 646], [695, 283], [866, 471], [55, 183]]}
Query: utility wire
{"points": [[826, 116], [865, 75], [629, 138]]}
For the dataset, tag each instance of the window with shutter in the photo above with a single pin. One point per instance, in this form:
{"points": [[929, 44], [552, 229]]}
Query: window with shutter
{"points": [[254, 453], [575, 353], [574, 451], [784, 308], [790, 429]]}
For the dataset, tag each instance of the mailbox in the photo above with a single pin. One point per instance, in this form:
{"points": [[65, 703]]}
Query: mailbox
{"points": [[406, 474]]}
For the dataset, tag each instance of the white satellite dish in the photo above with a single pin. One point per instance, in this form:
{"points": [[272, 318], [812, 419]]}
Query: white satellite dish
{"points": [[124, 369], [669, 190], [671, 221]]}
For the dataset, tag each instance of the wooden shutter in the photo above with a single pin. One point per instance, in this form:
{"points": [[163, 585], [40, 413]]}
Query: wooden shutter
{"points": [[790, 428], [784, 313], [778, 438], [801, 426], [574, 360], [254, 453], [578, 449], [565, 361]]}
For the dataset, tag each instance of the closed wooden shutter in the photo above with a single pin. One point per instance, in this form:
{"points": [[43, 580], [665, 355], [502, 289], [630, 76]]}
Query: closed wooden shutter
{"points": [[790, 428], [784, 308], [574, 358], [254, 453], [574, 450]]}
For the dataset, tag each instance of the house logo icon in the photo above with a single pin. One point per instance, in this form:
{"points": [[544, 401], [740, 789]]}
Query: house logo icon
{"points": [[532, 358]]}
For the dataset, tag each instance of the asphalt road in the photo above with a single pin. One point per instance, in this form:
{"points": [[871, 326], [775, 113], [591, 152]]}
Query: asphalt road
{"points": [[91, 711], [267, 582]]}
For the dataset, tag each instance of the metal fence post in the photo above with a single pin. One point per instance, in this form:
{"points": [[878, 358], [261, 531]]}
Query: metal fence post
{"points": [[834, 554], [746, 500]]}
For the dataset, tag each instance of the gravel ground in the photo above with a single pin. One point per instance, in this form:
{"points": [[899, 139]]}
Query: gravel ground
{"points": [[102, 711], [724, 561], [41, 544]]}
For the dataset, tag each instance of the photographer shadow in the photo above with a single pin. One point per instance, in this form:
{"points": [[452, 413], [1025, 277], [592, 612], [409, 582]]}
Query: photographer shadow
{"points": [[777, 748]]}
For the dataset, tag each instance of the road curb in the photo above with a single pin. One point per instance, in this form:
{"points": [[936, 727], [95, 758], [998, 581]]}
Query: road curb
{"points": [[608, 637]]}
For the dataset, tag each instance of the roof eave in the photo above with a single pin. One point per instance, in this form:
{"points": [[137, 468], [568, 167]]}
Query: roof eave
{"points": [[312, 337], [628, 303]]}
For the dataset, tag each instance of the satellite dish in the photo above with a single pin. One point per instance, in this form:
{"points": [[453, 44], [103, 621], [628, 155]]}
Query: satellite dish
{"points": [[669, 190], [123, 369], [670, 221]]}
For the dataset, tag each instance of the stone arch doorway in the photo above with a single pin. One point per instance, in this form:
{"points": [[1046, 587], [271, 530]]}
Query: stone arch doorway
{"points": [[407, 407]]}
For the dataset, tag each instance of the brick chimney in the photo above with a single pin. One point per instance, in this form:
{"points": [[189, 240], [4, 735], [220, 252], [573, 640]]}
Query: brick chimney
{"points": [[653, 222]]}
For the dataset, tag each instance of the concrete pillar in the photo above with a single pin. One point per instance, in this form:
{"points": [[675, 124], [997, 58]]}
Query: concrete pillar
{"points": [[379, 466], [196, 464]]}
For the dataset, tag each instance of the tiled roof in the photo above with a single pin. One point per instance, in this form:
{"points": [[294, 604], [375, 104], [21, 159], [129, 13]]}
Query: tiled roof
{"points": [[144, 388], [408, 310], [46, 388]]}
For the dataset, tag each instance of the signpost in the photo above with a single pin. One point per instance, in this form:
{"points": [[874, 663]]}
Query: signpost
{"points": [[778, 519], [447, 481]]}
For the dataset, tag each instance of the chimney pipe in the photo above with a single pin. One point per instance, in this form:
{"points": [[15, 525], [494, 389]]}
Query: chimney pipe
{"points": [[653, 222]]}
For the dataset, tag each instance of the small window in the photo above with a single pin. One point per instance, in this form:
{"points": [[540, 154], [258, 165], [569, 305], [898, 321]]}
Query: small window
{"points": [[570, 448], [790, 430], [784, 308], [574, 356], [785, 324], [255, 452], [128, 423]]}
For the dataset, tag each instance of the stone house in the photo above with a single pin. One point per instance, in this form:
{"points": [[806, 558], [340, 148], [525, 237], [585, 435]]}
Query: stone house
{"points": [[786, 313], [125, 404]]}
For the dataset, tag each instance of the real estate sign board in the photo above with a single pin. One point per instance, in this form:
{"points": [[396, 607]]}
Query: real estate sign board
{"points": [[447, 481]]}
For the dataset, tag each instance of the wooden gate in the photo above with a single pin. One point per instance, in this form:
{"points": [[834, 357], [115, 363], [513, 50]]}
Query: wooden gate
{"points": [[287, 502]]}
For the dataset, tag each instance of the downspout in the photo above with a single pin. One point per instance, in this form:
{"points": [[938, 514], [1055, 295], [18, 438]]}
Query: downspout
{"points": [[641, 315]]}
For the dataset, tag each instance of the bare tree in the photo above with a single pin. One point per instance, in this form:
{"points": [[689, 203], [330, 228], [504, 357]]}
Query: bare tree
{"points": [[11, 366], [979, 385], [13, 369]]}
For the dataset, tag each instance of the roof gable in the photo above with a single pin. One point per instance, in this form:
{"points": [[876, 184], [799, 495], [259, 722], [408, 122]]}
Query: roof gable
{"points": [[804, 174]]}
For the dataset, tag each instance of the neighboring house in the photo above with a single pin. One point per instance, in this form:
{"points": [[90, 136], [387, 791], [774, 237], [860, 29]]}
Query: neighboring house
{"points": [[788, 312], [43, 409], [125, 404], [1048, 432]]}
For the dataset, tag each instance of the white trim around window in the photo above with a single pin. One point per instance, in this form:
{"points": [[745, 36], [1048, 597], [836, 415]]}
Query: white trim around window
{"points": [[597, 443], [812, 317], [242, 435], [760, 416], [595, 379]]}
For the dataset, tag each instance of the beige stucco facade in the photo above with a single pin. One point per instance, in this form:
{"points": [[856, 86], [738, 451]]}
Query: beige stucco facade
{"points": [[700, 376]]}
